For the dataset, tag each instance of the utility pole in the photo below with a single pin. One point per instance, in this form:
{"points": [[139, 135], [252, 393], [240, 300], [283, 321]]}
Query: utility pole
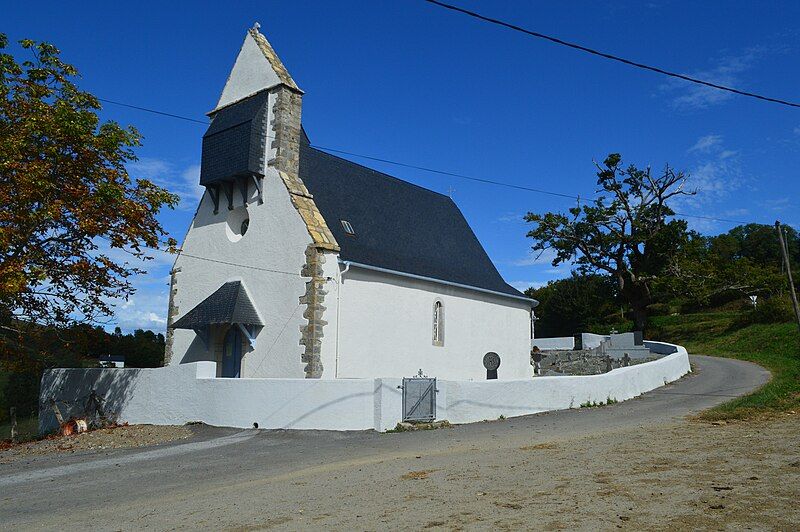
{"points": [[785, 253]]}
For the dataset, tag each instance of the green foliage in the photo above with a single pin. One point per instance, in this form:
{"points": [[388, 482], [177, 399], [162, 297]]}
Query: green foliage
{"points": [[776, 346], [709, 271], [759, 243], [66, 196], [776, 309], [659, 309], [142, 349], [595, 404], [576, 304], [623, 232], [703, 272]]}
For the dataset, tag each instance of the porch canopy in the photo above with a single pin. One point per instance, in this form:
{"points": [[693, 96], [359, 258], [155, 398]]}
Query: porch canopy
{"points": [[230, 304]]}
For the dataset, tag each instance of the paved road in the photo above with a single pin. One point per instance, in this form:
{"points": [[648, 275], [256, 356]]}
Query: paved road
{"points": [[236, 475]]}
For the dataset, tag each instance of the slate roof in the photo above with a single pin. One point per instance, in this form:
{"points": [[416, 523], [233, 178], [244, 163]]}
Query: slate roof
{"points": [[398, 225], [229, 304], [235, 142]]}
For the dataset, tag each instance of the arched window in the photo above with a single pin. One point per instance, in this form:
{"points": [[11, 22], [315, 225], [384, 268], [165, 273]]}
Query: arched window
{"points": [[438, 323]]}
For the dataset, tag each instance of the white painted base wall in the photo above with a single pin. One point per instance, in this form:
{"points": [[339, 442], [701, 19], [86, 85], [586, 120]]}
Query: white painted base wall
{"points": [[190, 392]]}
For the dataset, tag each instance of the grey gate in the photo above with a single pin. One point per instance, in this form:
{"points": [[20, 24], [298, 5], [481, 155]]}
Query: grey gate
{"points": [[419, 399]]}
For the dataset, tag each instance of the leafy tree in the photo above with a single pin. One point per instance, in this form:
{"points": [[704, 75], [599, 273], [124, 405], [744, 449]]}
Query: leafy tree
{"points": [[623, 232], [742, 262], [142, 349], [579, 303], [66, 198], [759, 243]]}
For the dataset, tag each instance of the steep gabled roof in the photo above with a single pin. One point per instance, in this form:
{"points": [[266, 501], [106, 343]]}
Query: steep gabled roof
{"points": [[228, 304], [398, 225]]}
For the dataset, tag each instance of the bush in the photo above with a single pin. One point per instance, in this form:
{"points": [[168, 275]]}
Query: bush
{"points": [[659, 309], [777, 309]]}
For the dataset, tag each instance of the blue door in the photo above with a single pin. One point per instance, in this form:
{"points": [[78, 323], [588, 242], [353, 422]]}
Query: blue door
{"points": [[232, 353]]}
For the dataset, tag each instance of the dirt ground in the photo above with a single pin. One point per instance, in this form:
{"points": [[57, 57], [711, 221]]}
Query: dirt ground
{"points": [[636, 465], [121, 437], [687, 475]]}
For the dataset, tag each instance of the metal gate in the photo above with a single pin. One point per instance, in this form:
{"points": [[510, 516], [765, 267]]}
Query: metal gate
{"points": [[419, 399]]}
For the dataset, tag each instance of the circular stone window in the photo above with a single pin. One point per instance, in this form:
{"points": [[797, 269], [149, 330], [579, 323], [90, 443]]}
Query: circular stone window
{"points": [[237, 224]]}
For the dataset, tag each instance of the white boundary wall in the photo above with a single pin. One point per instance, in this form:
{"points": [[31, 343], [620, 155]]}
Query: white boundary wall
{"points": [[190, 392], [555, 343]]}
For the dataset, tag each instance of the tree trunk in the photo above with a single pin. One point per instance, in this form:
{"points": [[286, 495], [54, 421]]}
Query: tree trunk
{"points": [[638, 296], [639, 317]]}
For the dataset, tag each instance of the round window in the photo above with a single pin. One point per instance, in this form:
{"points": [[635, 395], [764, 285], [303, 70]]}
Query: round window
{"points": [[237, 224]]}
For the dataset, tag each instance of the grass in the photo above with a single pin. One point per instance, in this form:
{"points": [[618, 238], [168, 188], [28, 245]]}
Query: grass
{"points": [[775, 346], [593, 404], [28, 429]]}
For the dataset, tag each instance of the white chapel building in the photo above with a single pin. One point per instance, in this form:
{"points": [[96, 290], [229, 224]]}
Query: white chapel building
{"points": [[301, 264]]}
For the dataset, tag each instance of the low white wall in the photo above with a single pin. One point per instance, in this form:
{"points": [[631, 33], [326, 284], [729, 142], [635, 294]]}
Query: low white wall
{"points": [[564, 342], [475, 401], [189, 392]]}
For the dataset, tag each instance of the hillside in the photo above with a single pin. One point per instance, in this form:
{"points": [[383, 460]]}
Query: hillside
{"points": [[775, 346]]}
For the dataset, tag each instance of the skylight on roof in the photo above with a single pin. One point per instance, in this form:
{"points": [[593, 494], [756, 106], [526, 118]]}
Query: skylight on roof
{"points": [[348, 228]]}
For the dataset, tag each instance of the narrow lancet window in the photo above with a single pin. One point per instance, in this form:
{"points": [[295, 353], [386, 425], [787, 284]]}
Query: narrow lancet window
{"points": [[438, 323]]}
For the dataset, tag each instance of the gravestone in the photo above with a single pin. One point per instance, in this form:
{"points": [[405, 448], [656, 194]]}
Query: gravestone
{"points": [[491, 361]]}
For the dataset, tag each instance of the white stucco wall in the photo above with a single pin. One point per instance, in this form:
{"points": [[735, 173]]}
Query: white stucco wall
{"points": [[386, 329], [251, 73], [189, 392], [329, 339], [474, 401], [276, 239], [560, 342]]}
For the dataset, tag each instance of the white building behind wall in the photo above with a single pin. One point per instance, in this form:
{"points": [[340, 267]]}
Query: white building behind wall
{"points": [[302, 264]]}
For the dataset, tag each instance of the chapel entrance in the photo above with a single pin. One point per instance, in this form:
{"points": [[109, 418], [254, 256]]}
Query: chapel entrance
{"points": [[232, 354]]}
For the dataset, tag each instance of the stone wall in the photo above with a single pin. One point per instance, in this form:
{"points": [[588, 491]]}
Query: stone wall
{"points": [[313, 299]]}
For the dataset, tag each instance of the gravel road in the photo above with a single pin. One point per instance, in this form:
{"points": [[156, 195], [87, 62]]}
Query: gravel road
{"points": [[637, 464]]}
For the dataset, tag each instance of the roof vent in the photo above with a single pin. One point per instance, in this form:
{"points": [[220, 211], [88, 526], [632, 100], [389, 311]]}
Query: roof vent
{"points": [[348, 228]]}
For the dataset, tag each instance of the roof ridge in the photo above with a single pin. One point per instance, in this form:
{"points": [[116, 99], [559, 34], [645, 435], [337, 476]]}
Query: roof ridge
{"points": [[321, 150]]}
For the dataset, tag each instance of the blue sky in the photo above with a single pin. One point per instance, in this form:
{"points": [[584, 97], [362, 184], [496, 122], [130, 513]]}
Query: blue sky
{"points": [[410, 82]]}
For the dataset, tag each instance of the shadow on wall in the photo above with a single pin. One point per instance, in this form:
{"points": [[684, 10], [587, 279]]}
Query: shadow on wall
{"points": [[198, 351], [71, 388]]}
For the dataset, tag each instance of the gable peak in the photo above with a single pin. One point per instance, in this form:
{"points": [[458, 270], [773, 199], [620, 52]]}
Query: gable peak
{"points": [[257, 68]]}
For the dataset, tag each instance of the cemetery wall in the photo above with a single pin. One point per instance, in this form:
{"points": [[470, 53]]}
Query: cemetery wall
{"points": [[191, 392]]}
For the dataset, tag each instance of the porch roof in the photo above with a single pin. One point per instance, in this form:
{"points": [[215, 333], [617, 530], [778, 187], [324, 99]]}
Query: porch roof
{"points": [[228, 304]]}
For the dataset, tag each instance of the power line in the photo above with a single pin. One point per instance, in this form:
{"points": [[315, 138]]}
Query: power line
{"points": [[162, 113], [207, 259], [180, 252], [607, 55], [443, 172], [416, 167], [498, 183]]}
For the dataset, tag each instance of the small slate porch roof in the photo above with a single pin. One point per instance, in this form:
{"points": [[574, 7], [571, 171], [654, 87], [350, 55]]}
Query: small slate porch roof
{"points": [[229, 304]]}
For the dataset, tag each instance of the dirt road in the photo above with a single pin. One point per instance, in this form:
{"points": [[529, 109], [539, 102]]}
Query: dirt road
{"points": [[633, 465]]}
